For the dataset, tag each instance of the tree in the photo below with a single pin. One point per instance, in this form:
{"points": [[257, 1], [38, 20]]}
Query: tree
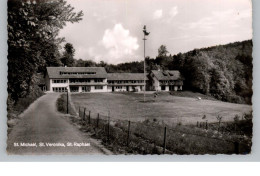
{"points": [[162, 51], [69, 49], [84, 63], [33, 28], [150, 64], [102, 64], [79, 63], [67, 59], [162, 59]]}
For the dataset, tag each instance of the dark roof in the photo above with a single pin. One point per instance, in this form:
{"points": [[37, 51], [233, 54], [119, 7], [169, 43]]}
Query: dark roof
{"points": [[126, 76], [54, 72], [167, 74]]}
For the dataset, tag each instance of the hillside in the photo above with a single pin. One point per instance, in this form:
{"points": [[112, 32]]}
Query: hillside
{"points": [[224, 71]]}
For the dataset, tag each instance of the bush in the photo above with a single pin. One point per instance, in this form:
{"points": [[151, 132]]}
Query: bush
{"points": [[61, 104], [235, 99], [22, 104]]}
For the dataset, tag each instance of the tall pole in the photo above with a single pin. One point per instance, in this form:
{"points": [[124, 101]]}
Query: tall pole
{"points": [[145, 33], [144, 68]]}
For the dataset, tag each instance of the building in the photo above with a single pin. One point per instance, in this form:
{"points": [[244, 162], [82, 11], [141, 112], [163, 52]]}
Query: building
{"points": [[166, 80], [96, 79], [76, 79], [125, 82]]}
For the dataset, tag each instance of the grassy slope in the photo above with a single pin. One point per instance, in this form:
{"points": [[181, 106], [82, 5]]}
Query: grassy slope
{"points": [[147, 137], [170, 109]]}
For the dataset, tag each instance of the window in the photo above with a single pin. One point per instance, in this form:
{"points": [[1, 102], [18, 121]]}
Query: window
{"points": [[59, 81], [79, 80], [86, 88], [98, 80], [77, 73], [98, 87], [165, 74], [59, 89], [164, 82], [118, 87]]}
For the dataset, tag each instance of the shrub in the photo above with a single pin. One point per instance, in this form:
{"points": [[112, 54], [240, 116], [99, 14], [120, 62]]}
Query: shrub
{"points": [[61, 104], [23, 103]]}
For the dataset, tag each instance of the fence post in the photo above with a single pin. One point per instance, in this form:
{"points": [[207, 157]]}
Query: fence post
{"points": [[67, 101], [198, 124], [164, 140], [97, 119], [79, 111], [89, 117], [206, 125], [236, 147], [108, 128], [84, 114], [128, 133]]}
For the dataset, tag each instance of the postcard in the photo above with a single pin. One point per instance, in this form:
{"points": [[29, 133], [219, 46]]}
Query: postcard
{"points": [[123, 77]]}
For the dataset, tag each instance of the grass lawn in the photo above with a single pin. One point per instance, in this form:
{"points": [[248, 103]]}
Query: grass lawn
{"points": [[171, 109]]}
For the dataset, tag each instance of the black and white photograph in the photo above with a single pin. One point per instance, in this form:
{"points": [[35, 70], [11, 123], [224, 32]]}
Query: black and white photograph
{"points": [[129, 77]]}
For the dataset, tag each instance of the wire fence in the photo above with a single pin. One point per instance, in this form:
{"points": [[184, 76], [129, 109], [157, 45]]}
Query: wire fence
{"points": [[149, 138], [242, 127]]}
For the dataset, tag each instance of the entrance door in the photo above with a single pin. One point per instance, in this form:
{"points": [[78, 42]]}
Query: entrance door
{"points": [[86, 89], [171, 88], [113, 89], [163, 88], [127, 88], [74, 89]]}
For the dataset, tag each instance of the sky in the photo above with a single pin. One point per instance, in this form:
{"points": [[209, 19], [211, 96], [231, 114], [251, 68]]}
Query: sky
{"points": [[112, 30]]}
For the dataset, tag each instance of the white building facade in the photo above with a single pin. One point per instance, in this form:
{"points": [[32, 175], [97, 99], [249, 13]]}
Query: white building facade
{"points": [[167, 80], [76, 79], [96, 79], [126, 82]]}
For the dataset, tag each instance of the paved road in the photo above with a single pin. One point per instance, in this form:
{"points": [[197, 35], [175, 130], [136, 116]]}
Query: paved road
{"points": [[41, 123]]}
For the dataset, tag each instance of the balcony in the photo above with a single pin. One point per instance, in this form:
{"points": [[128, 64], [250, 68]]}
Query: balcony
{"points": [[126, 84], [87, 83]]}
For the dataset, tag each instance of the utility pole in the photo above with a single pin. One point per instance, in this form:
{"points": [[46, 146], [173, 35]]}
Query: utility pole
{"points": [[145, 34]]}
